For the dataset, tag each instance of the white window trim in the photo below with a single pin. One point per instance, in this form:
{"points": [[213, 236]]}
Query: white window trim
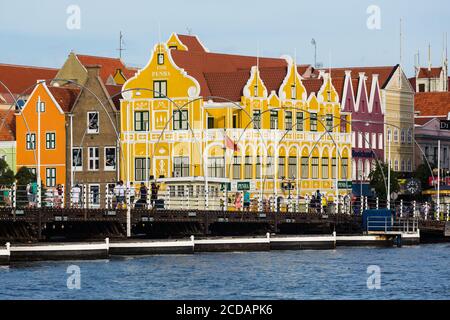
{"points": [[77, 168], [49, 132], [51, 177], [89, 159], [106, 168], [30, 134], [89, 131]]}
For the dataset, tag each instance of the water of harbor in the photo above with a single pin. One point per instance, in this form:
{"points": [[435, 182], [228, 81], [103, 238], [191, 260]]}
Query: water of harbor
{"points": [[420, 272]]}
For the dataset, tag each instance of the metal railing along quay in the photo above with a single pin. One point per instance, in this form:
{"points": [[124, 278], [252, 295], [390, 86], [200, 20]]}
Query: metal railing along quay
{"points": [[111, 198]]}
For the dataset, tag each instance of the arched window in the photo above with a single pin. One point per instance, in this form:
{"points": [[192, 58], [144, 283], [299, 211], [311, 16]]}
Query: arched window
{"points": [[409, 168], [395, 135], [403, 136], [410, 137], [396, 165], [403, 166]]}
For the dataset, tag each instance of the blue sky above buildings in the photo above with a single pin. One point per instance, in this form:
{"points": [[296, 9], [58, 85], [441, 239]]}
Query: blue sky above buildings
{"points": [[34, 32]]}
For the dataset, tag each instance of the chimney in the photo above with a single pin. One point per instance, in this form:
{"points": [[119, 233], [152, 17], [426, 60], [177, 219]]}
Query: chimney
{"points": [[93, 70]]}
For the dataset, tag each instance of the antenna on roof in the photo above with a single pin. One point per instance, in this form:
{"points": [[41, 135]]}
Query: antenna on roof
{"points": [[401, 41], [121, 45], [401, 52], [429, 56]]}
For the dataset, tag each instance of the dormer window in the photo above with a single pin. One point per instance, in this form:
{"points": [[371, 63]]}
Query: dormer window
{"points": [[160, 58], [255, 91], [294, 92], [329, 96]]}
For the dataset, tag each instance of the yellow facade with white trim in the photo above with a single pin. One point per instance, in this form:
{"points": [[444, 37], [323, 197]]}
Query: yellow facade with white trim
{"points": [[262, 149]]}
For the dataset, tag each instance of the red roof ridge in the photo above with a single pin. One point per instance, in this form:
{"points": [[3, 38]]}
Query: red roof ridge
{"points": [[27, 66], [94, 56]]}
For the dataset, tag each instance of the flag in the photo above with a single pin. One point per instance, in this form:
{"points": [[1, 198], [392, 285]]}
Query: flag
{"points": [[230, 144]]}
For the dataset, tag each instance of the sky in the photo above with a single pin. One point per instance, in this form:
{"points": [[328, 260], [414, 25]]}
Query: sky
{"points": [[36, 32]]}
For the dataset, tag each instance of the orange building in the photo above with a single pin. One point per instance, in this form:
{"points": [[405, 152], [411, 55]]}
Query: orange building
{"points": [[41, 132]]}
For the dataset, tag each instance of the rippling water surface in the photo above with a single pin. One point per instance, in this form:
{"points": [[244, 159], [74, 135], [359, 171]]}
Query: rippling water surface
{"points": [[420, 272]]}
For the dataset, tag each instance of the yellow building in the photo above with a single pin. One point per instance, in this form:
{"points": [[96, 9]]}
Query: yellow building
{"points": [[247, 122]]}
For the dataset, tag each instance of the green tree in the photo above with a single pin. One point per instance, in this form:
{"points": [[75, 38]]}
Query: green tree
{"points": [[379, 183], [6, 174], [423, 174], [24, 176]]}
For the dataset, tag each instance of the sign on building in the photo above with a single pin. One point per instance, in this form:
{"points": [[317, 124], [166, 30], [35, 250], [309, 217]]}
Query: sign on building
{"points": [[445, 124]]}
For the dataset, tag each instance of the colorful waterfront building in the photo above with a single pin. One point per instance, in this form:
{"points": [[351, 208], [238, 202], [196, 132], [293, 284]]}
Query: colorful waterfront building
{"points": [[92, 151], [431, 109], [41, 132], [361, 96], [205, 121], [8, 138], [16, 84], [396, 97]]}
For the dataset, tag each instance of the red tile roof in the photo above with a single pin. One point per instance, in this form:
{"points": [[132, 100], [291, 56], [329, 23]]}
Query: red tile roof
{"points": [[423, 121], [425, 73], [115, 94], [413, 82], [338, 83], [312, 85], [108, 65], [7, 125], [65, 96], [384, 73], [191, 42], [432, 103], [212, 66], [21, 79]]}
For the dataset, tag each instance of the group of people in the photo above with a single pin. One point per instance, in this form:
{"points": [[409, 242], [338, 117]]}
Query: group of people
{"points": [[242, 201], [119, 192]]}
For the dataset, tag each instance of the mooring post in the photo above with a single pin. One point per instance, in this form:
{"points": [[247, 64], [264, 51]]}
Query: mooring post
{"points": [[426, 210], [378, 203]]}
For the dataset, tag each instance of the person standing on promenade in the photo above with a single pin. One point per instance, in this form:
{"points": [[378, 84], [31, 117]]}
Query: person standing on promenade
{"points": [[246, 201], [119, 191], [132, 193], [143, 193], [237, 201], [154, 198], [75, 195]]}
